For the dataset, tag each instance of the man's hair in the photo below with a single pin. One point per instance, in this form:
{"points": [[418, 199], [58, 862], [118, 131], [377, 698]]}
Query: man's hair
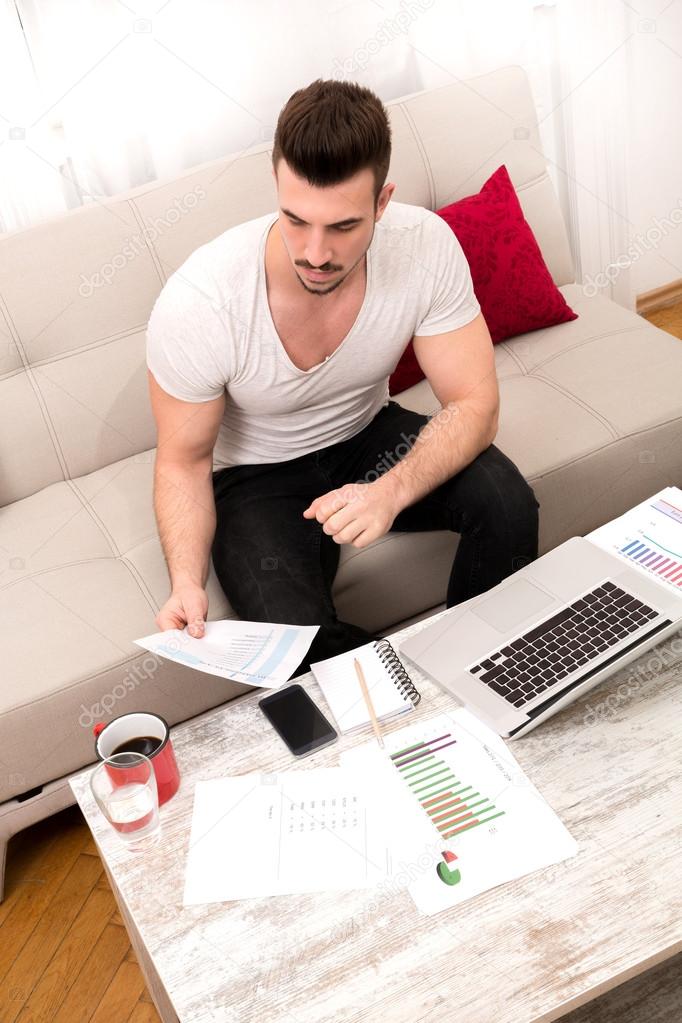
{"points": [[330, 131]]}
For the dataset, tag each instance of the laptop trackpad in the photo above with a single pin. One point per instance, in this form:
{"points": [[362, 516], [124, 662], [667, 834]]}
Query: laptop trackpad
{"points": [[512, 605]]}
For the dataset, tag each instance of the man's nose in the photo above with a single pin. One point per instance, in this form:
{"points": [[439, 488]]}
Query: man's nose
{"points": [[317, 253]]}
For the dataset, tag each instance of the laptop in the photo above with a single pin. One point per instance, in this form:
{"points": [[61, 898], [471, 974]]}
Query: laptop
{"points": [[545, 635]]}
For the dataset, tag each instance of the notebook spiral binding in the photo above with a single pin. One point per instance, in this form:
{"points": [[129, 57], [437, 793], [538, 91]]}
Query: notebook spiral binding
{"points": [[396, 669]]}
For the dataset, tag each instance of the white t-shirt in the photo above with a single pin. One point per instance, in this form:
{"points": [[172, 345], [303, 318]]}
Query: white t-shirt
{"points": [[211, 330]]}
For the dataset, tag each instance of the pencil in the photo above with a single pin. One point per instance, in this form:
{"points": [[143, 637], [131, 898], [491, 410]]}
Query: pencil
{"points": [[368, 700]]}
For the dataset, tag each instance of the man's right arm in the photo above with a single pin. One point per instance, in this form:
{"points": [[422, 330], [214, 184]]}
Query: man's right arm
{"points": [[183, 501]]}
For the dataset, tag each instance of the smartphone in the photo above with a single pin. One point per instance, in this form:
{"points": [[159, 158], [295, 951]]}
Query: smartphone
{"points": [[297, 720]]}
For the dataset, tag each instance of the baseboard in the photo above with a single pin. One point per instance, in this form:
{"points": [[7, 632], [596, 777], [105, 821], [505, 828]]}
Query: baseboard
{"points": [[660, 298]]}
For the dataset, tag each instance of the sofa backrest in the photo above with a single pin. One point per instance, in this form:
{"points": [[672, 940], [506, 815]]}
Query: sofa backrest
{"points": [[76, 291]]}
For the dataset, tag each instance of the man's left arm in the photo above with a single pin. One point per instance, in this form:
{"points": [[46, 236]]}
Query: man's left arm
{"points": [[460, 367]]}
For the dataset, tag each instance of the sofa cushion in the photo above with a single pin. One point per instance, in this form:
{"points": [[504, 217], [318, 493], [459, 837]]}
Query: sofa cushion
{"points": [[83, 576], [589, 412], [83, 573]]}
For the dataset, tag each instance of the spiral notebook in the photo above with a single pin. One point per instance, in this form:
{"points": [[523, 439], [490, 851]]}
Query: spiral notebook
{"points": [[392, 690]]}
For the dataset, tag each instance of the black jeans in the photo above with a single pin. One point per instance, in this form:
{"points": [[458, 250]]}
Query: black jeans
{"points": [[276, 566]]}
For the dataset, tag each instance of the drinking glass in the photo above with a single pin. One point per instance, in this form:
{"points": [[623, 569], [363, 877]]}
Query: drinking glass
{"points": [[124, 786]]}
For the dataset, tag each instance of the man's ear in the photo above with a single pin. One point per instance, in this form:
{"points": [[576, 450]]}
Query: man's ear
{"points": [[384, 199]]}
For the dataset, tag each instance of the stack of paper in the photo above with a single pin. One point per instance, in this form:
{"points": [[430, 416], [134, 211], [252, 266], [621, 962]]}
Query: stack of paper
{"points": [[445, 796]]}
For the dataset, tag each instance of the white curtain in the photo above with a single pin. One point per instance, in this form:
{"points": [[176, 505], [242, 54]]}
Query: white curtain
{"points": [[592, 102], [98, 96]]}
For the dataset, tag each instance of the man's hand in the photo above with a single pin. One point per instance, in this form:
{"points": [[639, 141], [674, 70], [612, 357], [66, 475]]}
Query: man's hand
{"points": [[357, 513], [187, 605]]}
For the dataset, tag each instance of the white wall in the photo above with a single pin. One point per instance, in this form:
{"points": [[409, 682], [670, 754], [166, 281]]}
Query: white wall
{"points": [[169, 89], [655, 152]]}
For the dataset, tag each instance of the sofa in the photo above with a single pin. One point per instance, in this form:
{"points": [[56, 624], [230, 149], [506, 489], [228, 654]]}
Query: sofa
{"points": [[591, 413]]}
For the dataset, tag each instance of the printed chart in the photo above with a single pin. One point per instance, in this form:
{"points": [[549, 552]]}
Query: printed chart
{"points": [[258, 653], [336, 813], [281, 834], [449, 803], [649, 537], [458, 812]]}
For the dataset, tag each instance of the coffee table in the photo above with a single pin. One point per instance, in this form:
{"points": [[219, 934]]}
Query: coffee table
{"points": [[529, 951]]}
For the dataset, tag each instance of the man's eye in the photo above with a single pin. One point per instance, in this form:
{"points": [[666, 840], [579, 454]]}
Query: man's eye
{"points": [[297, 223]]}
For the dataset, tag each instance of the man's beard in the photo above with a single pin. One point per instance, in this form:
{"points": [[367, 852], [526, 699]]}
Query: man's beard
{"points": [[336, 284]]}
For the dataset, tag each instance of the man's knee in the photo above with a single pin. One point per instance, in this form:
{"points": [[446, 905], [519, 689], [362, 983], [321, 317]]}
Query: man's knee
{"points": [[263, 588], [492, 490]]}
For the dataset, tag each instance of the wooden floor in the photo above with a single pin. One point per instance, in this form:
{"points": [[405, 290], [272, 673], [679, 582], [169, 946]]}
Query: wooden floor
{"points": [[669, 319], [65, 954]]}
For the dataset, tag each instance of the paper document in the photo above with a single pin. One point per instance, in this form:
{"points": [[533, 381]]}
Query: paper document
{"points": [[648, 537], [257, 653], [278, 834], [459, 809]]}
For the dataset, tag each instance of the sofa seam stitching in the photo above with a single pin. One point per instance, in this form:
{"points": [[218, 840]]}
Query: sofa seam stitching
{"points": [[544, 176], [12, 372], [617, 440], [142, 586], [422, 152], [91, 411], [581, 344], [132, 571], [57, 568], [156, 259], [93, 346], [581, 404], [46, 417], [85, 503], [516, 358]]}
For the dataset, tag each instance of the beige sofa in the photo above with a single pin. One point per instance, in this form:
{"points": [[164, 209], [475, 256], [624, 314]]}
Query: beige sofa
{"points": [[591, 413]]}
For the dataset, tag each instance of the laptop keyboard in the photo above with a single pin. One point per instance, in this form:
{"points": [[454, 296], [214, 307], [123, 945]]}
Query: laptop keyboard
{"points": [[581, 631]]}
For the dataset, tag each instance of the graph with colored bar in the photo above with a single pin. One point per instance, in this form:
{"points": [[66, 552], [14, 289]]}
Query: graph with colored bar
{"points": [[648, 537], [451, 805], [459, 814], [667, 565]]}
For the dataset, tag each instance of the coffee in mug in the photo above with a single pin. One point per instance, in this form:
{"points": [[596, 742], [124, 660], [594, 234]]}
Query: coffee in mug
{"points": [[148, 734], [144, 744]]}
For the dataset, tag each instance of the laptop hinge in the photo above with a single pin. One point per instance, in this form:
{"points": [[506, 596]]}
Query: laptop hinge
{"points": [[542, 707]]}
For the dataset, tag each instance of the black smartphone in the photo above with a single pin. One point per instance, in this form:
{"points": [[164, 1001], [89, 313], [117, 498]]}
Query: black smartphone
{"points": [[297, 720]]}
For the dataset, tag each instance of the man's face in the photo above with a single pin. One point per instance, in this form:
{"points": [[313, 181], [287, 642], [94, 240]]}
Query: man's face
{"points": [[327, 229]]}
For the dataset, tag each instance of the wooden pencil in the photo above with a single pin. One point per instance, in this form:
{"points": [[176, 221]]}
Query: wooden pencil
{"points": [[368, 700]]}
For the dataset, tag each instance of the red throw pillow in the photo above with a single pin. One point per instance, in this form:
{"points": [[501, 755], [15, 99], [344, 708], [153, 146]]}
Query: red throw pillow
{"points": [[511, 280]]}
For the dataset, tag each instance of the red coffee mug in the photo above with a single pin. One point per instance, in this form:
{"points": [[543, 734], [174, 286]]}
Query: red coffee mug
{"points": [[130, 726]]}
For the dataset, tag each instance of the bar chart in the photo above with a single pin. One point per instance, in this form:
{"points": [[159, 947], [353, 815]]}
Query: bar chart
{"points": [[459, 814], [666, 564], [451, 805], [648, 537]]}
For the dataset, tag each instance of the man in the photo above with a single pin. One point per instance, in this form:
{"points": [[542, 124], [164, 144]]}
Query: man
{"points": [[269, 354]]}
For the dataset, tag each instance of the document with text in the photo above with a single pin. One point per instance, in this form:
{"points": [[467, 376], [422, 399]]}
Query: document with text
{"points": [[256, 653], [259, 834]]}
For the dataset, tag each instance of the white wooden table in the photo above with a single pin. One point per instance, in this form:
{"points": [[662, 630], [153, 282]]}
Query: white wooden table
{"points": [[611, 768]]}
